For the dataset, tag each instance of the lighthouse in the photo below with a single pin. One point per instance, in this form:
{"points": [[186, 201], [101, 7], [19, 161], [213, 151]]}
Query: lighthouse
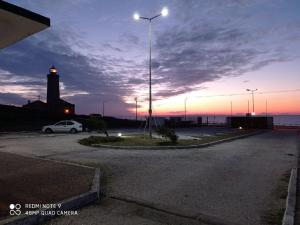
{"points": [[55, 105], [53, 87]]}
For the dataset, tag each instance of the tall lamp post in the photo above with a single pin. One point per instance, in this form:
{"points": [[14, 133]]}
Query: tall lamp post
{"points": [[136, 16], [252, 92], [135, 99], [103, 108], [185, 100]]}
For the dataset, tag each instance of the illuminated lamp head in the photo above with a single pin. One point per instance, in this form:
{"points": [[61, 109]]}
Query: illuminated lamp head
{"points": [[53, 70], [66, 111]]}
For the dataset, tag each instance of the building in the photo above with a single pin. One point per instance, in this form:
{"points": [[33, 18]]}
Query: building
{"points": [[257, 122], [55, 105]]}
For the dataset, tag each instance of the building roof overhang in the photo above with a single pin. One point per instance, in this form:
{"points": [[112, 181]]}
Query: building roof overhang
{"points": [[17, 23]]}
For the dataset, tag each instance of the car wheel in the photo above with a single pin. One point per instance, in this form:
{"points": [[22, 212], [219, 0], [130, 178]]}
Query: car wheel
{"points": [[73, 131], [48, 131]]}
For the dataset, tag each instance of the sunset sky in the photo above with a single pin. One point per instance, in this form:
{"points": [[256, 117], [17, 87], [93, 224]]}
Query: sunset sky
{"points": [[208, 51]]}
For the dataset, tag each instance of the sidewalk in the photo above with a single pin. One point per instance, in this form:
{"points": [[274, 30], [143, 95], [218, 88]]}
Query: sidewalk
{"points": [[25, 180]]}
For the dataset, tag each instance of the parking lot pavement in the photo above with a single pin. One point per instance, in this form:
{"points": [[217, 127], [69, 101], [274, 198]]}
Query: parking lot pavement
{"points": [[233, 182], [26, 180], [39, 144], [43, 145]]}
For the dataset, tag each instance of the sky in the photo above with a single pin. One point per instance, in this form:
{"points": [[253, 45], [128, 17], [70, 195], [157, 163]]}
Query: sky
{"points": [[205, 53]]}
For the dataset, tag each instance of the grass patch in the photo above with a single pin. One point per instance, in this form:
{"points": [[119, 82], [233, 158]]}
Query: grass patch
{"points": [[141, 140]]}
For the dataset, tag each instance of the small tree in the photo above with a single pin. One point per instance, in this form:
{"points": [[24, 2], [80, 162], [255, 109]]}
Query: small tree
{"points": [[97, 124], [168, 134]]}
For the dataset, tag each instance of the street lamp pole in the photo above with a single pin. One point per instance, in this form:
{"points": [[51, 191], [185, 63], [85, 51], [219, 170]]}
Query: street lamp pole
{"points": [[136, 99], [150, 79], [252, 92], [103, 103], [136, 16], [185, 108]]}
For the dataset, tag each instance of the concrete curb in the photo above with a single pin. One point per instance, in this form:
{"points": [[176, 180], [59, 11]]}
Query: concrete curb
{"points": [[289, 214], [72, 203], [177, 147]]}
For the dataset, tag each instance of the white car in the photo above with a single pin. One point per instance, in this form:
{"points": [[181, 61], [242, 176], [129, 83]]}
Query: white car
{"points": [[64, 126]]}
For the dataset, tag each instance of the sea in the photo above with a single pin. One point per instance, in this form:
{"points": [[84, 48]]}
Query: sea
{"points": [[279, 120]]}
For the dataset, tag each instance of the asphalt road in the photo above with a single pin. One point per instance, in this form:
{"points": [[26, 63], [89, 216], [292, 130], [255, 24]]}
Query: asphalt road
{"points": [[229, 183]]}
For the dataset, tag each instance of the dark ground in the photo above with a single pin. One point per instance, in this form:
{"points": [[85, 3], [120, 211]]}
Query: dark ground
{"points": [[27, 181]]}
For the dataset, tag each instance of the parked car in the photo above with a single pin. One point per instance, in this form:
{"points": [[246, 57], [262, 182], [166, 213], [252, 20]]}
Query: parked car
{"points": [[71, 126]]}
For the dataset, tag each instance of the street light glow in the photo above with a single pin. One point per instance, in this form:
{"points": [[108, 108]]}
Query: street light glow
{"points": [[136, 16], [164, 11]]}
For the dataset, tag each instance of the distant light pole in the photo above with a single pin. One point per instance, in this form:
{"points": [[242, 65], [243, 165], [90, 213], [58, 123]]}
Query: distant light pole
{"points": [[103, 108], [136, 16], [231, 108], [136, 114], [185, 100], [252, 92], [266, 107], [248, 108]]}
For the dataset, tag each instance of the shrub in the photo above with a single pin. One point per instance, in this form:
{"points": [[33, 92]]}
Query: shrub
{"points": [[97, 124], [99, 140], [168, 134]]}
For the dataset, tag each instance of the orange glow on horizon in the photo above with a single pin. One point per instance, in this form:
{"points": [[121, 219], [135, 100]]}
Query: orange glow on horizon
{"points": [[270, 104]]}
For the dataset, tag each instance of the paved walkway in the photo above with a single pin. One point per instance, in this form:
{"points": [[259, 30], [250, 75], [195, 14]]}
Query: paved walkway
{"points": [[26, 180]]}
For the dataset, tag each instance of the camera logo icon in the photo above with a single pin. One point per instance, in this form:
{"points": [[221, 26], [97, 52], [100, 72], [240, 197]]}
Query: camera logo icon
{"points": [[15, 209]]}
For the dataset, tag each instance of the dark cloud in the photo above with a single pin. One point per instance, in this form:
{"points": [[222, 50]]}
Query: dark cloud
{"points": [[10, 98], [109, 46], [129, 39], [170, 93], [94, 103], [136, 81]]}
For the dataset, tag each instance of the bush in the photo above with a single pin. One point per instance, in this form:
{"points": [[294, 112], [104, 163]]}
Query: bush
{"points": [[99, 140], [97, 124], [168, 134]]}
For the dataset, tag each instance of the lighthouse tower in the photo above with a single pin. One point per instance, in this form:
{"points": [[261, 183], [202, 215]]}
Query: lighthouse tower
{"points": [[53, 87], [55, 105]]}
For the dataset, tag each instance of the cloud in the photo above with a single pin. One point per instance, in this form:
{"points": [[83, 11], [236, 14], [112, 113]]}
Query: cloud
{"points": [[129, 39], [10, 98], [201, 41], [202, 48], [31, 58], [109, 46]]}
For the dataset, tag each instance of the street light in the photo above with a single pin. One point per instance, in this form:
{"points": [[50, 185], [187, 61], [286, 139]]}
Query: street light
{"points": [[164, 12], [103, 105], [252, 92], [136, 100], [185, 100]]}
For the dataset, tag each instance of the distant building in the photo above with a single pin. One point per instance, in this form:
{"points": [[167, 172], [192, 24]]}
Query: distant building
{"points": [[257, 122], [54, 105]]}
